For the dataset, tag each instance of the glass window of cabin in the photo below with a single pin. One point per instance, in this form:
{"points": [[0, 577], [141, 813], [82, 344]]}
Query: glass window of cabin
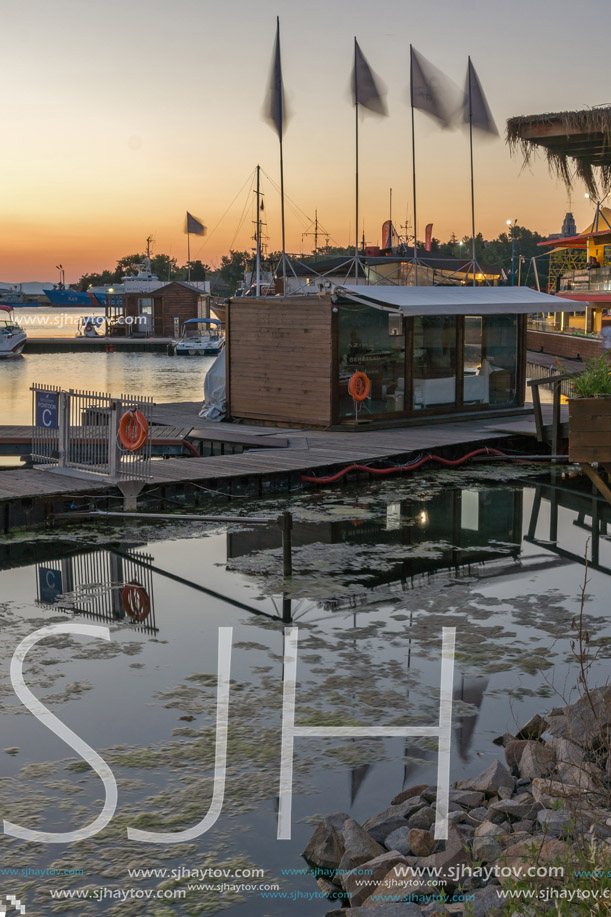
{"points": [[372, 341], [145, 306], [501, 357], [475, 368], [434, 361]]}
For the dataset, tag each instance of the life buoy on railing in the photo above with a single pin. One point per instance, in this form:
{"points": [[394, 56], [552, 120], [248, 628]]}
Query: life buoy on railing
{"points": [[359, 386], [133, 430], [135, 601]]}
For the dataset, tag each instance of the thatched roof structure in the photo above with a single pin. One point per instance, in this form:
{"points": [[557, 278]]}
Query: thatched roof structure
{"points": [[576, 144]]}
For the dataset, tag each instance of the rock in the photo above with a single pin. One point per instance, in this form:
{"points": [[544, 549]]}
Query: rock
{"points": [[434, 908], [14, 750], [555, 822], [359, 846], [486, 902], [504, 739], [429, 794], [487, 829], [328, 889], [537, 761], [522, 855], [520, 807], [455, 854], [457, 815], [477, 816], [399, 882], [486, 849], [326, 846], [363, 880], [523, 827], [398, 909], [579, 721], [380, 826], [421, 843], [468, 798], [514, 750], [549, 792], [423, 818], [505, 792], [534, 729], [399, 840], [490, 780], [408, 794]]}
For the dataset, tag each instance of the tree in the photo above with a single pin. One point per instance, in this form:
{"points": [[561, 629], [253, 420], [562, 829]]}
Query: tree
{"points": [[232, 268], [95, 280]]}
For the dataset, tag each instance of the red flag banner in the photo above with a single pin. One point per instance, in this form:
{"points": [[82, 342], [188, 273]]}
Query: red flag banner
{"points": [[428, 236], [387, 234]]}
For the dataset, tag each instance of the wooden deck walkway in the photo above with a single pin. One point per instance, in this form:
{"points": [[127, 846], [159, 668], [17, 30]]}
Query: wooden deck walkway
{"points": [[307, 451], [14, 440]]}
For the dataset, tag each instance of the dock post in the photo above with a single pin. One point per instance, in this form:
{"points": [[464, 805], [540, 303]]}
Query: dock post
{"points": [[285, 521], [114, 449], [64, 430]]}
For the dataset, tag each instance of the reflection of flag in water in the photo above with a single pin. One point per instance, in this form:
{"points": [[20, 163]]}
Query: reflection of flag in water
{"points": [[475, 107], [430, 90], [275, 111], [366, 87], [194, 226]]}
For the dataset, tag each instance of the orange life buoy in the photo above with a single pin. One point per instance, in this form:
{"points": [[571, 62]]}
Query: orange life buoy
{"points": [[359, 386], [135, 601], [133, 430]]}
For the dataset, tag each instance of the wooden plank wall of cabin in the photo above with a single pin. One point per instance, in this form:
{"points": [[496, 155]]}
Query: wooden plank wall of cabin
{"points": [[176, 302], [280, 365]]}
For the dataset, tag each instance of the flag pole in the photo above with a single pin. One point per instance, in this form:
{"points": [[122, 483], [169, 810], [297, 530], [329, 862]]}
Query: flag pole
{"points": [[473, 260], [188, 250], [280, 133], [356, 112], [411, 84]]}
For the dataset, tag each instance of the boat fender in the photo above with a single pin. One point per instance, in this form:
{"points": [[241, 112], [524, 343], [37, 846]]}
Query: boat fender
{"points": [[133, 430], [359, 386], [135, 601]]}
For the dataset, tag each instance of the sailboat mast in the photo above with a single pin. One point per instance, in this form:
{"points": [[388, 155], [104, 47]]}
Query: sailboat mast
{"points": [[473, 262], [258, 261], [356, 222], [411, 81]]}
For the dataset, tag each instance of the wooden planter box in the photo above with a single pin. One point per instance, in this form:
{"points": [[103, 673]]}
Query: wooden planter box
{"points": [[590, 429]]}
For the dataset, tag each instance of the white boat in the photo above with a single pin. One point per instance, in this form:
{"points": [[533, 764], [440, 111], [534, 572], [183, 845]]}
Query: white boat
{"points": [[88, 326], [199, 343], [12, 336]]}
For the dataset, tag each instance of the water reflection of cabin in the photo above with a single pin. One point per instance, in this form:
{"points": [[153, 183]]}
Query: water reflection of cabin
{"points": [[452, 531], [426, 350]]}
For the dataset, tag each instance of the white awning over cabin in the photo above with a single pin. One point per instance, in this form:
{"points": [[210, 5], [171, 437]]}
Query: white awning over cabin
{"points": [[457, 300]]}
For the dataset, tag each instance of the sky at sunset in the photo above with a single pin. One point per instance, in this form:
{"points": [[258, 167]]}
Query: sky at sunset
{"points": [[118, 116]]}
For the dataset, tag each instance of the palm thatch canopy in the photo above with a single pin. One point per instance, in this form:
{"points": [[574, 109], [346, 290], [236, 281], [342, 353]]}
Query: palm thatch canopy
{"points": [[576, 144]]}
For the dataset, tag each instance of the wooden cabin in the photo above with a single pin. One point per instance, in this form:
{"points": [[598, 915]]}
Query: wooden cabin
{"points": [[156, 311], [426, 351]]}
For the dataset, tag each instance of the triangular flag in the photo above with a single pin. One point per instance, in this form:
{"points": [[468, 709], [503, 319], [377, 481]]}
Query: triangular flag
{"points": [[194, 226], [367, 89], [275, 111], [430, 90], [475, 107]]}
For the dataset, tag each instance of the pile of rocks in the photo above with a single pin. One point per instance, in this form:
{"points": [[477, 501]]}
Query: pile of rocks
{"points": [[556, 783]]}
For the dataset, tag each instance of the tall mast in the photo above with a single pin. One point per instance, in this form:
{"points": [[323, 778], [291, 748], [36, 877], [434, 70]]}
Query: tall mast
{"points": [[356, 223], [473, 261], [258, 260], [411, 81]]}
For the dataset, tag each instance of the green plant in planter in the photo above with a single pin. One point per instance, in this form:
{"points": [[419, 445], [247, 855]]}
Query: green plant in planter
{"points": [[595, 379]]}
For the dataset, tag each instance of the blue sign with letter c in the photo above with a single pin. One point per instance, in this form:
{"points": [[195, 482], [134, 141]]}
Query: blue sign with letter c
{"points": [[47, 410]]}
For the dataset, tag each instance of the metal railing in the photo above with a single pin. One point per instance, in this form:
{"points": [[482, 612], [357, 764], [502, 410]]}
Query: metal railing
{"points": [[543, 375], [80, 430]]}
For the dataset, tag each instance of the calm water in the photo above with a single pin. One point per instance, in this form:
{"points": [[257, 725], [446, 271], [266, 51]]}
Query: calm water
{"points": [[377, 575], [167, 378]]}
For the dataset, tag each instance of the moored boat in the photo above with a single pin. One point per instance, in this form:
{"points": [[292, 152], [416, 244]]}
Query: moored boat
{"points": [[12, 336], [200, 343]]}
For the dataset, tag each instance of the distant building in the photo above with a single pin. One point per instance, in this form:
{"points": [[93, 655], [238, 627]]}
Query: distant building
{"points": [[157, 312]]}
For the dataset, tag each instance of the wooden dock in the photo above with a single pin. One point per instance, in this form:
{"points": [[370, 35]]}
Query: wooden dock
{"points": [[165, 439], [35, 344], [28, 497]]}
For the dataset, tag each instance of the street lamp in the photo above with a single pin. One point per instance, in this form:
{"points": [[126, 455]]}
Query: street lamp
{"points": [[513, 249]]}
